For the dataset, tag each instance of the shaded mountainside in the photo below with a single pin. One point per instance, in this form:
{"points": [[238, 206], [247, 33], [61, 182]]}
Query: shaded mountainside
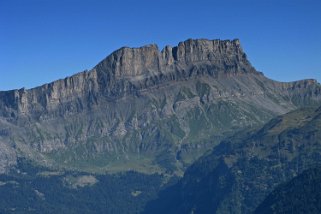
{"points": [[143, 109], [242, 170], [300, 195]]}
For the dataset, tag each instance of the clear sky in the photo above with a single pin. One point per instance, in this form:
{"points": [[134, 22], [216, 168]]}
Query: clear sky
{"points": [[45, 40]]}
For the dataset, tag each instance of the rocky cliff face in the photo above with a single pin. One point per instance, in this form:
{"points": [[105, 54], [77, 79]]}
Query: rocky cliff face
{"points": [[130, 70], [145, 109], [137, 63]]}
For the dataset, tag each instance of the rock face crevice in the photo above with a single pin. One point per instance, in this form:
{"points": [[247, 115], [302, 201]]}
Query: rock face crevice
{"points": [[146, 102]]}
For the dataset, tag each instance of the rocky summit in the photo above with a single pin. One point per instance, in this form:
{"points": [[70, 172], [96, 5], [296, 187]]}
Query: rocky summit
{"points": [[143, 109]]}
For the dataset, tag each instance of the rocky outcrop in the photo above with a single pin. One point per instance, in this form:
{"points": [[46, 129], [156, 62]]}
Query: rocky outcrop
{"points": [[137, 63], [129, 70]]}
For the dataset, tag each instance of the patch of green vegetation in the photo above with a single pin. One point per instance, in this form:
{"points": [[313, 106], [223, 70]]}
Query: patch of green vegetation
{"points": [[83, 157], [172, 128], [202, 89], [184, 93], [180, 97], [187, 91], [198, 124], [290, 120], [166, 160]]}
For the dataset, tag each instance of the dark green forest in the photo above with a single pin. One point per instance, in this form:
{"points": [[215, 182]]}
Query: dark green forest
{"points": [[27, 191]]}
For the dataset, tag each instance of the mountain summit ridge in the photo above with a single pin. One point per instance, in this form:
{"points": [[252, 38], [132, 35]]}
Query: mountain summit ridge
{"points": [[129, 70], [206, 51], [148, 59]]}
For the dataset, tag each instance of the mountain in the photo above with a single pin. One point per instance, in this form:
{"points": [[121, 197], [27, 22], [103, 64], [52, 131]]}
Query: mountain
{"points": [[144, 109], [243, 169], [302, 194]]}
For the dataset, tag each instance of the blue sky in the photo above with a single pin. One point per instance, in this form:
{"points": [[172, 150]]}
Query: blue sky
{"points": [[44, 40]]}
